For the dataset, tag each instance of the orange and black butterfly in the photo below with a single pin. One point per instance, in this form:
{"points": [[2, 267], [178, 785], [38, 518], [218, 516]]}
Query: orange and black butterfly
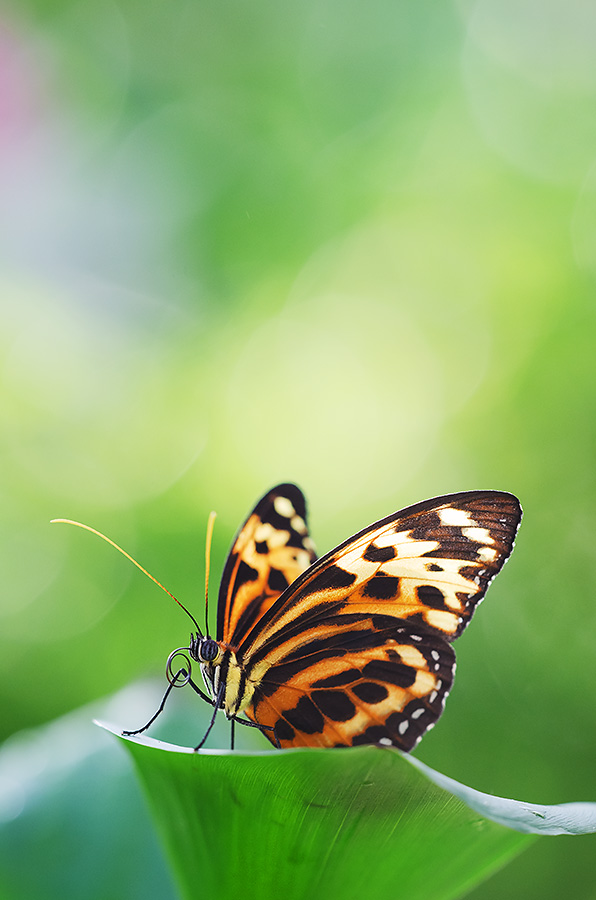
{"points": [[354, 647]]}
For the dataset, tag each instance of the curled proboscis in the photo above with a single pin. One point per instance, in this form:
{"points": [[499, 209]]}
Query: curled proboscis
{"points": [[182, 676]]}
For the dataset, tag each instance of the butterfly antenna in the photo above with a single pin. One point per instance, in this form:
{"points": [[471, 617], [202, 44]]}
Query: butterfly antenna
{"points": [[128, 556], [210, 524]]}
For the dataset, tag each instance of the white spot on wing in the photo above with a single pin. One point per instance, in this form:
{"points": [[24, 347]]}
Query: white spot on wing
{"points": [[284, 507], [450, 516], [411, 656], [298, 524], [403, 726], [278, 538], [385, 741], [263, 531], [405, 546], [445, 621], [452, 602], [487, 554], [482, 535]]}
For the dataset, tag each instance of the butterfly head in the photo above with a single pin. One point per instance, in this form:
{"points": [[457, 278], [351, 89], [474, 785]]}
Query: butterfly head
{"points": [[205, 650]]}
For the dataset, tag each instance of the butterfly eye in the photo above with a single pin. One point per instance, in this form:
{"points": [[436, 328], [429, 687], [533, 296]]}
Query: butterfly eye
{"points": [[208, 650]]}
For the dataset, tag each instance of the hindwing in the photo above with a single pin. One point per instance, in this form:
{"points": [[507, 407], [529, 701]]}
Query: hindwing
{"points": [[370, 682]]}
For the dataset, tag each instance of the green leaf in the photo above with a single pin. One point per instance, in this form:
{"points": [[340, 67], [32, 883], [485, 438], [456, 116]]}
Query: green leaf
{"points": [[359, 823], [530, 818]]}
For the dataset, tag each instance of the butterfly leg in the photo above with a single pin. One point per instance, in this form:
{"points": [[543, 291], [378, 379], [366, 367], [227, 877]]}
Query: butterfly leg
{"points": [[182, 673], [262, 728], [275, 737], [216, 707], [198, 691]]}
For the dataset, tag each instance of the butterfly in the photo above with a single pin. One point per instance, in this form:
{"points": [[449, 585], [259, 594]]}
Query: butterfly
{"points": [[354, 647]]}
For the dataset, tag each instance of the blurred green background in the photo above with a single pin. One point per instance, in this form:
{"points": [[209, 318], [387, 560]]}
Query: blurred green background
{"points": [[350, 245]]}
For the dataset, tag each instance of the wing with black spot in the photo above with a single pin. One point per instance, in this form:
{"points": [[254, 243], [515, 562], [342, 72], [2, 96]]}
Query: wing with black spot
{"points": [[416, 577], [430, 564], [271, 549], [361, 683]]}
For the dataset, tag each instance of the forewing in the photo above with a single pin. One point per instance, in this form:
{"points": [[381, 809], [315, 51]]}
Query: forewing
{"points": [[429, 564], [269, 552], [364, 683]]}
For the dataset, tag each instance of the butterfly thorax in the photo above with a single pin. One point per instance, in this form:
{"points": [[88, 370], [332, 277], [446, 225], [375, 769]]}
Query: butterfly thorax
{"points": [[219, 665]]}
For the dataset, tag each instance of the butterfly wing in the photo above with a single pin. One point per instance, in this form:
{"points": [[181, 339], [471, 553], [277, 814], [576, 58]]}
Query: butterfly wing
{"points": [[367, 682], [270, 551], [390, 599]]}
